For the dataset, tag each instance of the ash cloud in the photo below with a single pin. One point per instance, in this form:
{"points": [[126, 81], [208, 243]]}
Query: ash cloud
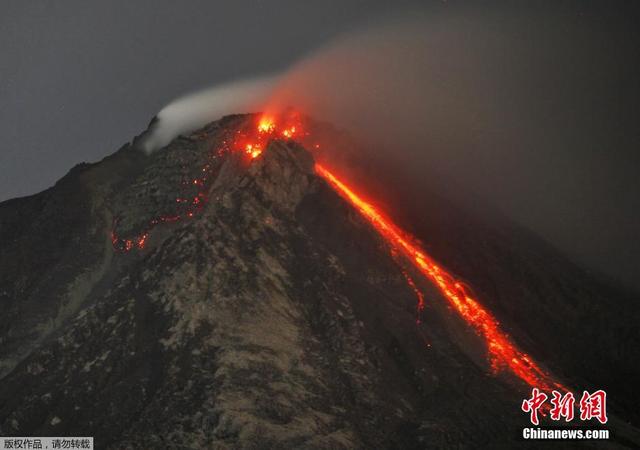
{"points": [[532, 113], [529, 111]]}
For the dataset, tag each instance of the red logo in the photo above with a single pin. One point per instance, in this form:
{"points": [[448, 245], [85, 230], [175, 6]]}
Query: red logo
{"points": [[592, 406], [533, 404], [562, 406]]}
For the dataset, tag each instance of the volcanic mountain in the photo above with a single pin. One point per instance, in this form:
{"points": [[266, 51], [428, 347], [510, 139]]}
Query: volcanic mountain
{"points": [[232, 291]]}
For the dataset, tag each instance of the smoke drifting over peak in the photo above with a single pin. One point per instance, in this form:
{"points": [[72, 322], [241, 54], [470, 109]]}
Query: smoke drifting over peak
{"points": [[197, 109], [532, 113]]}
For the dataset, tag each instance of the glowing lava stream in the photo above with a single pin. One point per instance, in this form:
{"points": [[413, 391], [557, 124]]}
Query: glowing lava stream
{"points": [[503, 352]]}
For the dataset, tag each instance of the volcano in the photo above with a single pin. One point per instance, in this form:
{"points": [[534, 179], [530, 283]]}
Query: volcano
{"points": [[234, 290]]}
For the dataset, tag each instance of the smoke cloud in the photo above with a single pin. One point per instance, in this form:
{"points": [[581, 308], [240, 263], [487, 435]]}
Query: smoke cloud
{"points": [[197, 109], [530, 112]]}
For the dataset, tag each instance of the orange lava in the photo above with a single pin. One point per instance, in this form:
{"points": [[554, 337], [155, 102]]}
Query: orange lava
{"points": [[503, 352], [419, 295], [266, 125]]}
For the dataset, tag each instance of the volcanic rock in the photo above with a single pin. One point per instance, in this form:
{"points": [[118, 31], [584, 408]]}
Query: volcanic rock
{"points": [[275, 317]]}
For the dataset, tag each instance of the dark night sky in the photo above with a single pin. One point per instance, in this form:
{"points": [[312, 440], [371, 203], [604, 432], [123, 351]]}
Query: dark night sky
{"points": [[80, 78]]}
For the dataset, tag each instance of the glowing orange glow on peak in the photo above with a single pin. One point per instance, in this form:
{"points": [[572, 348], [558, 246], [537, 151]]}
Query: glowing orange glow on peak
{"points": [[289, 132], [503, 352], [266, 125], [253, 150]]}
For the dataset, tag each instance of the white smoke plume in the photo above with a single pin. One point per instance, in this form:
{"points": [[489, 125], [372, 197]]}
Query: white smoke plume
{"points": [[195, 110]]}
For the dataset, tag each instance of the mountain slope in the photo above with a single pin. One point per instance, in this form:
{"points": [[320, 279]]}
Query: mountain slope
{"points": [[274, 316]]}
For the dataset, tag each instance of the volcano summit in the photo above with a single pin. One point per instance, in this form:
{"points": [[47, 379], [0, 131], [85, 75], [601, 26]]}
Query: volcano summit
{"points": [[232, 291]]}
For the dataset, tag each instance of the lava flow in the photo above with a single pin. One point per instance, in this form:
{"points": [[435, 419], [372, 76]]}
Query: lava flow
{"points": [[419, 295], [503, 352]]}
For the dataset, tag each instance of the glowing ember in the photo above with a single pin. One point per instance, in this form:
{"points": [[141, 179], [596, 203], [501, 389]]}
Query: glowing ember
{"points": [[141, 240], [266, 125], [289, 132], [253, 150], [419, 294], [503, 352]]}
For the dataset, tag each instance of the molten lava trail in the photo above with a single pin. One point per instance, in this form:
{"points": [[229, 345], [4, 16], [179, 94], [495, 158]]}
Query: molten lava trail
{"points": [[419, 296], [503, 352]]}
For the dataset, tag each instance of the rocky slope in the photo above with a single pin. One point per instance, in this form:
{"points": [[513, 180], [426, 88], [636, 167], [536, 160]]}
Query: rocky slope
{"points": [[273, 317]]}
